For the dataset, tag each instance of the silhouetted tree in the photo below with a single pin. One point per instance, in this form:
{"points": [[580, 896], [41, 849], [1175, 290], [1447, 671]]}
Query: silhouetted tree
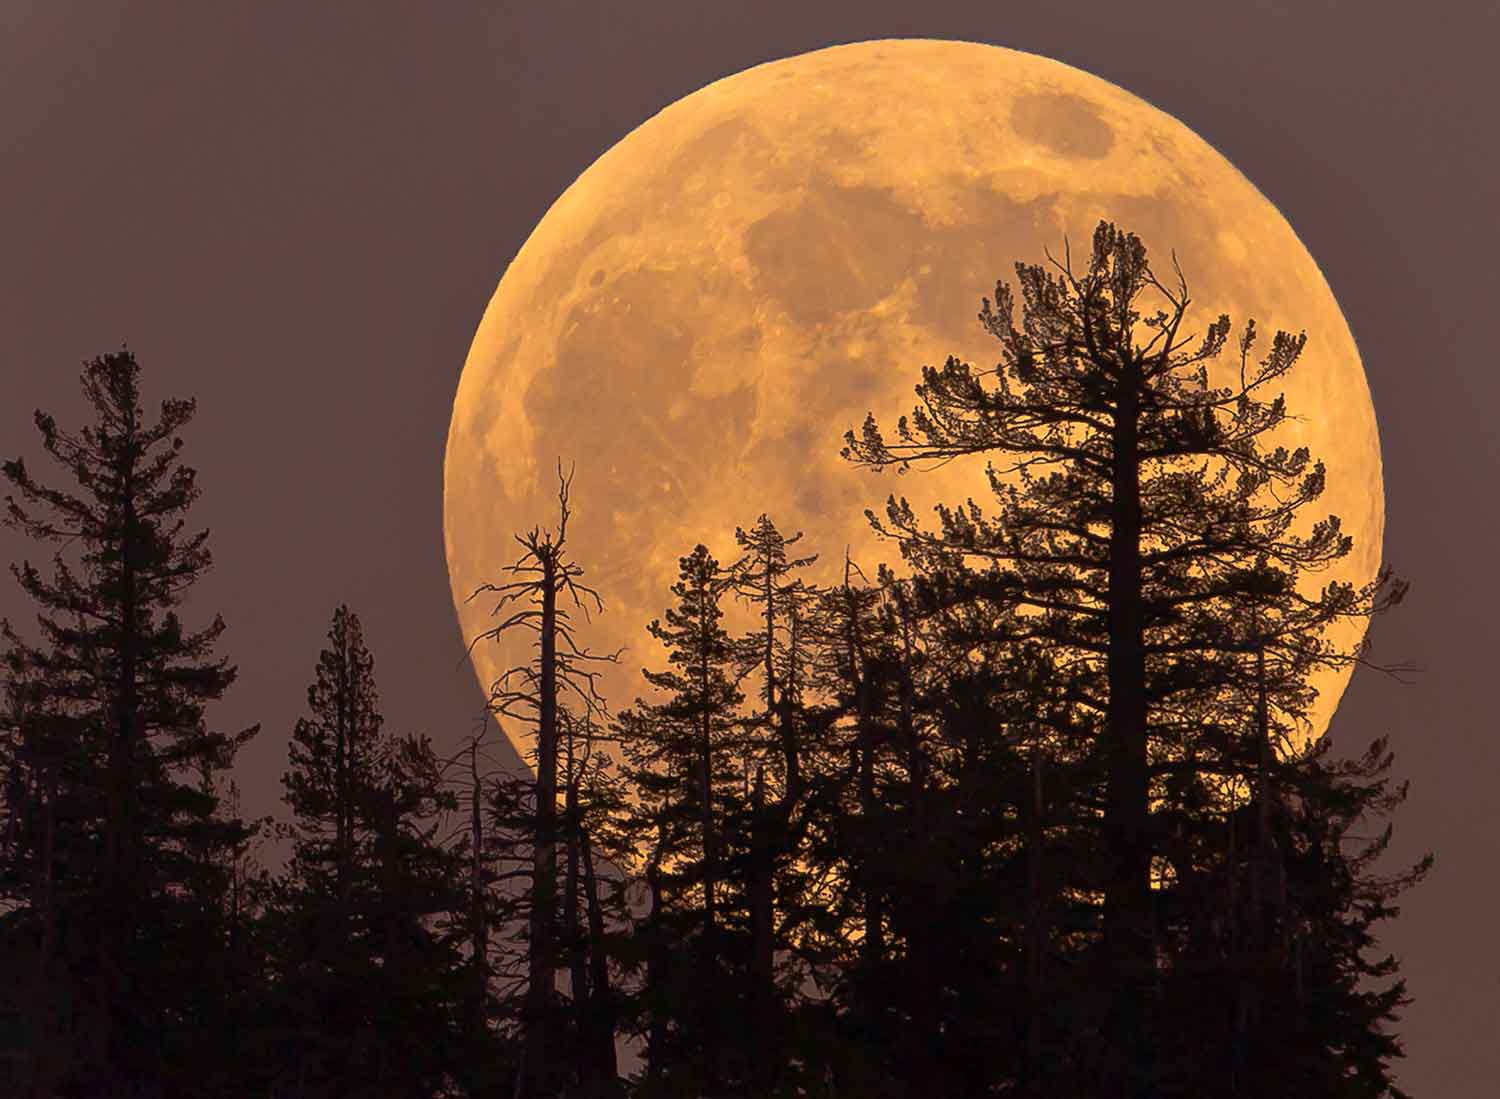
{"points": [[487, 854], [544, 580], [335, 757], [37, 832], [369, 990], [849, 830], [680, 760], [1140, 515], [919, 827], [1037, 818], [594, 800], [122, 840], [779, 651]]}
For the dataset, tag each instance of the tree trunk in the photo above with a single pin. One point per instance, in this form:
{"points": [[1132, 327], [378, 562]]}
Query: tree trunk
{"points": [[1260, 961], [787, 724], [1036, 927], [120, 913], [770, 649], [578, 978], [926, 1067], [656, 968], [709, 946], [706, 825], [479, 946], [342, 748], [601, 998], [872, 945], [708, 968], [42, 1017], [1128, 945], [538, 1072], [763, 953], [393, 974]]}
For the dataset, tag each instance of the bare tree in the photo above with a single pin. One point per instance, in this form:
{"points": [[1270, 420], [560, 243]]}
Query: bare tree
{"points": [[541, 584]]}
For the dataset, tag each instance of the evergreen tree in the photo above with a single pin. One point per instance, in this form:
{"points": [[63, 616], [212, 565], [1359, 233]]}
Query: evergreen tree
{"points": [[487, 853], [1142, 520], [125, 840], [325, 954], [774, 747], [920, 828], [851, 822], [680, 759], [36, 835], [368, 988], [422, 969], [336, 756]]}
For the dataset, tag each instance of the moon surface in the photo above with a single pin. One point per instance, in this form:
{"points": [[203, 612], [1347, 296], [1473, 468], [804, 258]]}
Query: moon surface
{"points": [[702, 314]]}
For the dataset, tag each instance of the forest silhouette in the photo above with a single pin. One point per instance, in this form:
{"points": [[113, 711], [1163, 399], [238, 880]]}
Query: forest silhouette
{"points": [[1037, 815]]}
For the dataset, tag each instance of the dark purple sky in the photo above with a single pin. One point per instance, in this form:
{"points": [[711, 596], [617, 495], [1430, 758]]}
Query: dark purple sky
{"points": [[297, 214]]}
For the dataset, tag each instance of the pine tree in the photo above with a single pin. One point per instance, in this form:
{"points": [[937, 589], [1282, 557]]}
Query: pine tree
{"points": [[1141, 518], [920, 828], [37, 833], [487, 854], [116, 749], [332, 787], [779, 650], [850, 827], [368, 988], [680, 756], [422, 971], [335, 757]]}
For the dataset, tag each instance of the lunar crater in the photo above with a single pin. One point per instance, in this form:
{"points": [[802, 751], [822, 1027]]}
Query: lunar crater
{"points": [[1065, 124]]}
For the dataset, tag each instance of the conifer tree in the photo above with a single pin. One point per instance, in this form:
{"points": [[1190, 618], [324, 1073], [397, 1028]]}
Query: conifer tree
{"points": [[486, 853], [335, 756], [851, 820], [423, 975], [1141, 514], [36, 833], [680, 760], [327, 949], [368, 988], [779, 650], [921, 826], [118, 745]]}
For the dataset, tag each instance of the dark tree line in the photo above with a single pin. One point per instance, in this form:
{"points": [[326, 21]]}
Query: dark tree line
{"points": [[1036, 816]]}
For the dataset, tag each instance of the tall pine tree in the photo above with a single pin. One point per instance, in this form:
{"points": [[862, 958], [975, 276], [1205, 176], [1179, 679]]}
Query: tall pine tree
{"points": [[1141, 516], [368, 989], [125, 839], [680, 753], [774, 749]]}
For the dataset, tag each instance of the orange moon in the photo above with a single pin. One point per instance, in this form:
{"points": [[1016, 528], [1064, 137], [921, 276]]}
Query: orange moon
{"points": [[714, 301]]}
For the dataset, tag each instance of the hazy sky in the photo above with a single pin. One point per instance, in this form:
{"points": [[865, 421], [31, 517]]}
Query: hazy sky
{"points": [[296, 213]]}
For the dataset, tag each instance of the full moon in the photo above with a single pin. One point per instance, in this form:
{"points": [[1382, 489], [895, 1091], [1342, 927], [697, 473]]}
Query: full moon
{"points": [[698, 319]]}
